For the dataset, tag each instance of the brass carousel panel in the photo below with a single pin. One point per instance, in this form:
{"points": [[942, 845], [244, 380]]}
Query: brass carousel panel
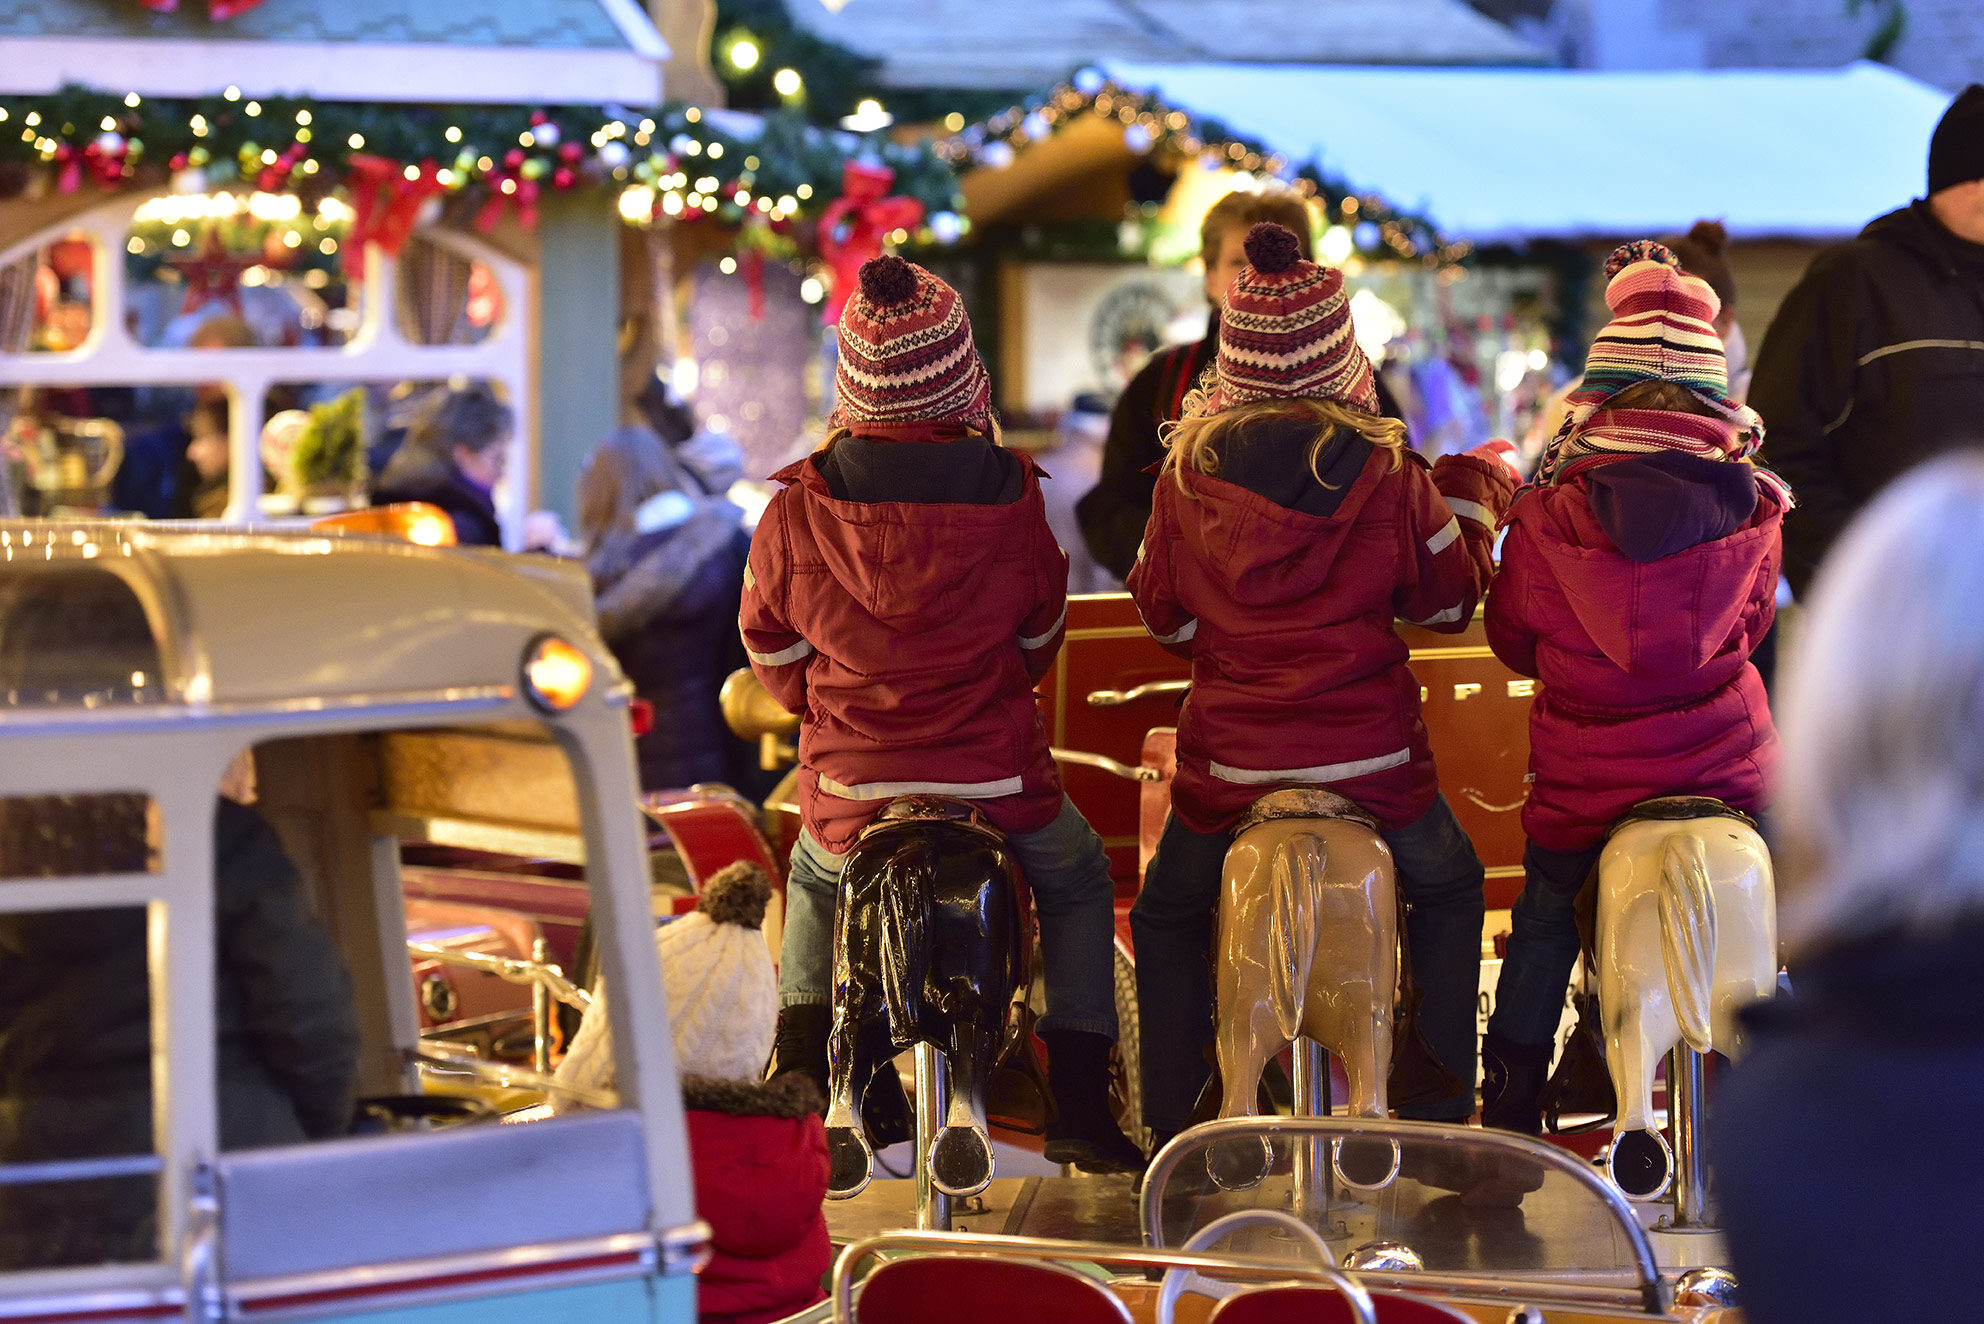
{"points": [[505, 787], [1112, 683]]}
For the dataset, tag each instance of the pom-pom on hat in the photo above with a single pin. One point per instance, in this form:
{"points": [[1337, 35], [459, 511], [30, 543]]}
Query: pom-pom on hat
{"points": [[722, 994], [906, 353], [1285, 333]]}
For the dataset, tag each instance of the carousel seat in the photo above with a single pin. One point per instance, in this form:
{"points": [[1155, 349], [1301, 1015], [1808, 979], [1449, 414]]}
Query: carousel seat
{"points": [[1275, 1304], [983, 1289]]}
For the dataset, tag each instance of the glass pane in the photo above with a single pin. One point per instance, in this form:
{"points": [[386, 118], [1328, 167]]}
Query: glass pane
{"points": [[75, 1090], [236, 271], [65, 836], [72, 636], [1458, 1200]]}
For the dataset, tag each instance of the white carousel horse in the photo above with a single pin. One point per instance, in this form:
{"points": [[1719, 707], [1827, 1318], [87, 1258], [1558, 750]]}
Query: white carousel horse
{"points": [[1686, 934], [1308, 945]]}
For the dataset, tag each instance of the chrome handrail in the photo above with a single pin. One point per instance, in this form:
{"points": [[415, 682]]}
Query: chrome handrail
{"points": [[200, 1269], [86, 1169], [1117, 698], [1115, 768], [538, 974], [510, 1077], [1648, 1295], [1041, 1248]]}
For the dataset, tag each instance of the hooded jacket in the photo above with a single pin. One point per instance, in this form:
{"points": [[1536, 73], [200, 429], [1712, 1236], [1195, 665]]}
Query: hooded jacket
{"points": [[906, 623], [1644, 653], [1873, 364], [1282, 592], [759, 1151]]}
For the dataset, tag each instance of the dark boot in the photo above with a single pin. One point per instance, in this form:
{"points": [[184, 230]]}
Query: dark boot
{"points": [[1085, 1132], [1512, 1082], [801, 1043], [885, 1109]]}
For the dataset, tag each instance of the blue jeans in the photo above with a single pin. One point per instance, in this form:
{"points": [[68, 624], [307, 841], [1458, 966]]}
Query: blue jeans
{"points": [[1067, 871], [1543, 944], [1438, 874]]}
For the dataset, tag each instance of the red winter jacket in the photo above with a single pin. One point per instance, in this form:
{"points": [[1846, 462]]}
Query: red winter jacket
{"points": [[1647, 684], [760, 1159], [908, 636], [1298, 676]]}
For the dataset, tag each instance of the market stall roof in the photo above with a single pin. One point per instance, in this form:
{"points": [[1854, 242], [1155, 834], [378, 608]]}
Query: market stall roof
{"points": [[1019, 44], [1513, 154], [355, 50]]}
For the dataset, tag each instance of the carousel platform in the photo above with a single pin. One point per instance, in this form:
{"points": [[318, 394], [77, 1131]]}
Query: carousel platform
{"points": [[1546, 1235]]}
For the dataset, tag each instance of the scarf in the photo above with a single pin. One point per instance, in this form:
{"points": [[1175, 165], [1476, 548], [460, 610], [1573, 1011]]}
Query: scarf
{"points": [[1606, 436]]}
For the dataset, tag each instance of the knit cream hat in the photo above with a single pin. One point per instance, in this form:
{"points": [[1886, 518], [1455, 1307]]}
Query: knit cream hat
{"points": [[722, 994]]}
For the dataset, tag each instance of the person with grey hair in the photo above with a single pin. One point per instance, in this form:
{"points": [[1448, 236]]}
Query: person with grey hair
{"points": [[1852, 1095], [453, 457]]}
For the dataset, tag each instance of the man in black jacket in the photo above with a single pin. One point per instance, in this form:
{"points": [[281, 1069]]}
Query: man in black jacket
{"points": [[1875, 360]]}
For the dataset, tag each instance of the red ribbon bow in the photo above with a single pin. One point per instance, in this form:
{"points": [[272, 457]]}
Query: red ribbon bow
{"points": [[385, 205], [853, 225]]}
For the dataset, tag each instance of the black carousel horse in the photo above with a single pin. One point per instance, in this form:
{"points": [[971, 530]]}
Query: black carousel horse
{"points": [[930, 946]]}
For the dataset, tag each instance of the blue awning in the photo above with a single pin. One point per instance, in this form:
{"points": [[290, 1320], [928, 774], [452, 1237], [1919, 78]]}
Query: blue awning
{"points": [[1512, 154]]}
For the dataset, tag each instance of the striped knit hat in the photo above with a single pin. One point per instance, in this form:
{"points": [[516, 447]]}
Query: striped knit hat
{"points": [[906, 353], [1662, 329], [1285, 333]]}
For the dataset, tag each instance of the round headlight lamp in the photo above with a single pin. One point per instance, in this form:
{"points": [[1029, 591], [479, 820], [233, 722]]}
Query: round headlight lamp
{"points": [[556, 674]]}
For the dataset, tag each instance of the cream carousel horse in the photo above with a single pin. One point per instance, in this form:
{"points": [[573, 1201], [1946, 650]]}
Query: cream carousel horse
{"points": [[1308, 945], [1686, 934]]}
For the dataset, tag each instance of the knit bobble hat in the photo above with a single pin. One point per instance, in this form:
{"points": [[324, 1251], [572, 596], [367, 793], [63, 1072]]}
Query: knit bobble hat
{"points": [[1285, 333], [1956, 149], [906, 353], [722, 994], [1662, 329]]}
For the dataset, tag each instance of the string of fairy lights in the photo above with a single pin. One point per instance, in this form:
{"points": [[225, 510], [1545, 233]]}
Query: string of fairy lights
{"points": [[676, 161], [767, 178], [1376, 229]]}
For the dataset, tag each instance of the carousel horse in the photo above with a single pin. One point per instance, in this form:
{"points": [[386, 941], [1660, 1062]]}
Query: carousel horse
{"points": [[930, 946], [1686, 934], [1308, 945]]}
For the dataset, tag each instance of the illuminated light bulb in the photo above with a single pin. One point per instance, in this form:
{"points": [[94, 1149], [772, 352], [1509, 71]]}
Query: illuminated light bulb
{"points": [[744, 53], [786, 82]]}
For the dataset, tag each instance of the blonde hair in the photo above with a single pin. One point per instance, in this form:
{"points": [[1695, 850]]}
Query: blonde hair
{"points": [[1882, 799], [1241, 210], [1194, 441]]}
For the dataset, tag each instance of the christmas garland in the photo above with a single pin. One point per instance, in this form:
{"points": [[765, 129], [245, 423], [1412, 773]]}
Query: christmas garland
{"points": [[498, 159], [1378, 230]]}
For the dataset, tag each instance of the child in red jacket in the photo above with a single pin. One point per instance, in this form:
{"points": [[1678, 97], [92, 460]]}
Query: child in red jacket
{"points": [[1638, 574], [904, 594], [757, 1149], [1291, 527]]}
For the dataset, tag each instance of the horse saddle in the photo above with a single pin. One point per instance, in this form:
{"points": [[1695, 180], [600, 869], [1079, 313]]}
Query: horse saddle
{"points": [[1302, 802], [1680, 808]]}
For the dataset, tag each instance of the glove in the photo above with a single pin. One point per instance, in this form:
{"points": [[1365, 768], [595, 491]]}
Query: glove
{"points": [[1499, 452]]}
